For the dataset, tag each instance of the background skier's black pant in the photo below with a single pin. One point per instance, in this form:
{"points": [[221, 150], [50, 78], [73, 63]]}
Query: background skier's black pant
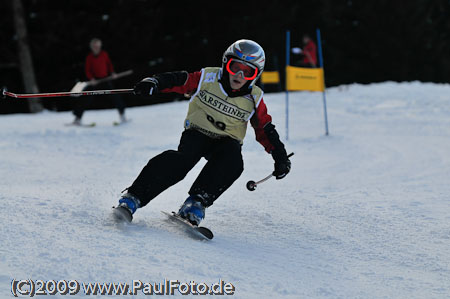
{"points": [[224, 166], [82, 104]]}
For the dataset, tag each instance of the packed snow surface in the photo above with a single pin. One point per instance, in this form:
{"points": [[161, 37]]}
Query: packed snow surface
{"points": [[364, 213]]}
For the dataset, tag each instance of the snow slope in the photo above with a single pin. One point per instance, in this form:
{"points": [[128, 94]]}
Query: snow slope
{"points": [[365, 212]]}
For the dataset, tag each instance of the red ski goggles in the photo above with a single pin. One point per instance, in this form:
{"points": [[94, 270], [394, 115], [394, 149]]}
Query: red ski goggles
{"points": [[235, 67]]}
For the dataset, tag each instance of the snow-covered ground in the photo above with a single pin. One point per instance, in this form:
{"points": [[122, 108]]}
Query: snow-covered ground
{"points": [[364, 213]]}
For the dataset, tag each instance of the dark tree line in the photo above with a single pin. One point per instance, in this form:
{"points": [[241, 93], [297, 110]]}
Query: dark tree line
{"points": [[364, 41]]}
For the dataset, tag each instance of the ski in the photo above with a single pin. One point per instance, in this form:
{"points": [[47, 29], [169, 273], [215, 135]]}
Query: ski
{"points": [[89, 125], [197, 230], [120, 123]]}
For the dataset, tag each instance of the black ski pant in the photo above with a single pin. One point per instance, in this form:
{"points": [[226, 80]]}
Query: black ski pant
{"points": [[224, 166], [83, 103]]}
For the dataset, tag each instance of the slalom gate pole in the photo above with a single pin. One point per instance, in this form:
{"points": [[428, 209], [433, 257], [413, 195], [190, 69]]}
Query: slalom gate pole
{"points": [[325, 114], [288, 61], [65, 94]]}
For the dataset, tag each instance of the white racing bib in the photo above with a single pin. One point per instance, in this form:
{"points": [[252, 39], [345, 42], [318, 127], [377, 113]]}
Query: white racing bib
{"points": [[214, 113]]}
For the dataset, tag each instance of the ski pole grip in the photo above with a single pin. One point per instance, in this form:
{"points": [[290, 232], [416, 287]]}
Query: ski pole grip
{"points": [[290, 155]]}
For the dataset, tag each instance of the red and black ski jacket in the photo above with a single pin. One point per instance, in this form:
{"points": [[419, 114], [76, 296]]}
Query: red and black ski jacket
{"points": [[187, 83]]}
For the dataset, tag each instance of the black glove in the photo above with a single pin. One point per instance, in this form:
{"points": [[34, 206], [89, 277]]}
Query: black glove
{"points": [[282, 162], [147, 87], [282, 168]]}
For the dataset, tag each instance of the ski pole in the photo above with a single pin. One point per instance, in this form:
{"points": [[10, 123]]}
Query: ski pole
{"points": [[64, 94], [251, 185]]}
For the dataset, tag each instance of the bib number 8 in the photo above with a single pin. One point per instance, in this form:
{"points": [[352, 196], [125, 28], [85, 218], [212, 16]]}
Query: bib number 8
{"points": [[218, 124]]}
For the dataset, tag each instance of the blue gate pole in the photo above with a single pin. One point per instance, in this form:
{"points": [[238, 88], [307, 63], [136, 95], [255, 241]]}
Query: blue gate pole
{"points": [[319, 43], [288, 60]]}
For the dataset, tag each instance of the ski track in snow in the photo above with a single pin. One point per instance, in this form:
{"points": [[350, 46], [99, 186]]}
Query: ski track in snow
{"points": [[364, 212]]}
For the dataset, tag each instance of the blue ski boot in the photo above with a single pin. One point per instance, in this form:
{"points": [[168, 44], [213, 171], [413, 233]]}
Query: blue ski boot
{"points": [[193, 210], [128, 204]]}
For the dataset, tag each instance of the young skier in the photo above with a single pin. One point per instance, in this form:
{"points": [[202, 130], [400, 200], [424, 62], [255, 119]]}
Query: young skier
{"points": [[224, 100]]}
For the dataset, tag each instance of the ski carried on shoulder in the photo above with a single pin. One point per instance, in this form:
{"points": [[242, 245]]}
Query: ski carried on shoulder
{"points": [[197, 230]]}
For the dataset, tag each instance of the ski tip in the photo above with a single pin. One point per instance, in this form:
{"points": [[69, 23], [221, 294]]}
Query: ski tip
{"points": [[205, 232]]}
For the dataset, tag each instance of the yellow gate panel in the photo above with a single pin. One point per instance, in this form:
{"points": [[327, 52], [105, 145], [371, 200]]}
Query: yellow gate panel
{"points": [[270, 77], [299, 78]]}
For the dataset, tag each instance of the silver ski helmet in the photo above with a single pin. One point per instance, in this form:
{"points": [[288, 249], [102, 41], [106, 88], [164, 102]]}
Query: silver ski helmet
{"points": [[247, 52]]}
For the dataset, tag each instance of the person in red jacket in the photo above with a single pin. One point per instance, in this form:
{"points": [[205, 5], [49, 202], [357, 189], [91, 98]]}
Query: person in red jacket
{"points": [[98, 66], [309, 52], [224, 99]]}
